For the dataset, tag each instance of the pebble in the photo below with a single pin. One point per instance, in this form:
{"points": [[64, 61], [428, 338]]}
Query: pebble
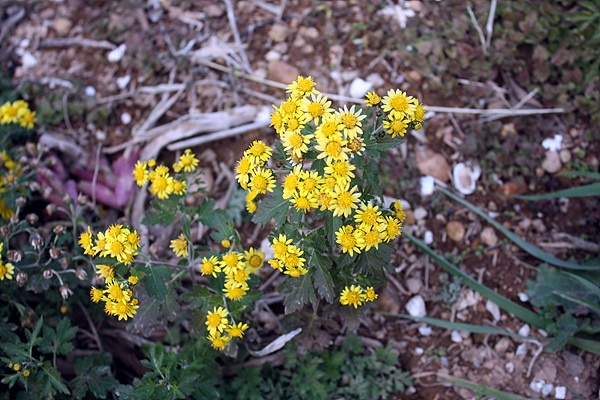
{"points": [[419, 351], [28, 60], [428, 237], [465, 177], [525, 224], [425, 330], [433, 164], [489, 237], [416, 5], [551, 163], [279, 32], [123, 81], [311, 33], [553, 144], [359, 87], [502, 346], [282, 72], [537, 384], [521, 350], [420, 213], [493, 309], [547, 389], [560, 392], [456, 337], [116, 54], [273, 55], [510, 367], [214, 11], [62, 26], [565, 156], [523, 297], [427, 185], [455, 230], [416, 307], [539, 226], [376, 80], [90, 91], [414, 285], [126, 118], [524, 330]]}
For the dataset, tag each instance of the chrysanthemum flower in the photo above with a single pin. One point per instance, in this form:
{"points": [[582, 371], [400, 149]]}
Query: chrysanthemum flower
{"points": [[124, 310], [243, 169], [340, 170], [368, 216], [309, 182], [115, 292], [218, 341], [419, 115], [398, 211], [160, 184], [290, 107], [96, 294], [280, 245], [332, 149], [132, 280], [216, 320], [324, 200], [344, 200], [291, 182], [372, 236], [304, 202], [351, 120], [372, 99], [6, 271], [353, 296], [117, 249], [179, 187], [302, 87], [28, 119], [398, 105], [316, 107], [251, 206], [262, 181], [210, 266], [188, 161], [259, 151], [276, 264], [370, 294], [277, 121], [230, 262], [391, 228], [295, 143], [140, 173], [85, 241], [180, 246], [355, 146], [9, 113], [133, 240], [395, 127], [293, 258], [255, 259], [350, 240], [105, 271], [235, 290], [329, 126], [295, 272], [237, 330]]}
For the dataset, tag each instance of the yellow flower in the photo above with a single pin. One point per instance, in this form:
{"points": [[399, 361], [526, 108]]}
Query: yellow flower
{"points": [[295, 143], [277, 121], [316, 107], [255, 259], [368, 216], [399, 212], [390, 228], [344, 200], [230, 262], [280, 246], [350, 240], [398, 105], [259, 151], [105, 271], [329, 126], [395, 127], [96, 294], [309, 182], [332, 149], [226, 243], [179, 187], [209, 266], [293, 257], [370, 294], [218, 341], [372, 236], [9, 113], [180, 246], [372, 99], [235, 290], [140, 173], [216, 320], [353, 296], [237, 330], [6, 271], [302, 87], [161, 184], [304, 202], [263, 181], [340, 170], [123, 309], [351, 120], [188, 161], [28, 119], [291, 182], [116, 293], [133, 280], [296, 272], [85, 241], [243, 169]]}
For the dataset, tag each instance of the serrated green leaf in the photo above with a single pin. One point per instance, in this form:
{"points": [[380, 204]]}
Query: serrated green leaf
{"points": [[54, 379], [146, 319], [274, 207], [156, 275], [378, 147], [164, 212], [322, 278], [301, 292], [562, 331], [332, 225]]}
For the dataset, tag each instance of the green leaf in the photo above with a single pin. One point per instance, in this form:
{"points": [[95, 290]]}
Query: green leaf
{"points": [[582, 174], [274, 207], [529, 248], [593, 189], [58, 341], [54, 379], [301, 292], [164, 212], [332, 225], [156, 275], [93, 375], [322, 278], [146, 319], [562, 330], [378, 147], [580, 300]]}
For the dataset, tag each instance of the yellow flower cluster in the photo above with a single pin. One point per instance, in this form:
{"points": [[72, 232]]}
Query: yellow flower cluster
{"points": [[6, 270], [288, 257], [17, 112], [217, 324], [356, 295], [237, 268], [252, 173], [9, 171], [120, 243], [162, 184]]}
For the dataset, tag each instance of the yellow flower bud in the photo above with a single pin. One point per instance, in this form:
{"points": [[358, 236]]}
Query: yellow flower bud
{"points": [[226, 243]]}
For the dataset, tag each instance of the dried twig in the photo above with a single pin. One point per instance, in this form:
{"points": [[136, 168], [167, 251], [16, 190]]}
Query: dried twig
{"points": [[236, 34], [10, 22], [489, 26], [212, 137], [79, 42], [478, 29]]}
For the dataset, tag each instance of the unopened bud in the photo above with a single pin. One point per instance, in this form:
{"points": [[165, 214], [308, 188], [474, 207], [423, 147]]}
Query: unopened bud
{"points": [[48, 273], [14, 219], [59, 229], [81, 199], [23, 159], [65, 292], [67, 199], [34, 186], [21, 278], [32, 218], [14, 255], [55, 253], [4, 230], [36, 241], [81, 274], [20, 202], [50, 208], [47, 192], [31, 149], [64, 262], [35, 163]]}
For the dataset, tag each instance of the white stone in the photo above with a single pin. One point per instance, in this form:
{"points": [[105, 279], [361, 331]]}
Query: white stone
{"points": [[90, 91], [28, 60], [398, 12], [24, 43], [456, 337], [420, 213], [510, 367], [553, 144], [521, 350], [537, 384], [126, 118], [428, 237], [265, 247], [547, 389], [416, 307], [560, 392], [524, 330], [414, 285], [123, 81], [427, 185], [376, 80], [116, 54], [419, 351], [425, 330], [273, 55], [465, 177], [493, 309], [523, 297], [359, 87]]}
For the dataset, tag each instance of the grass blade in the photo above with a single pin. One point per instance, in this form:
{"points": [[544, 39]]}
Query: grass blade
{"points": [[529, 248], [584, 282], [502, 302], [593, 189], [481, 389], [579, 300], [589, 345], [581, 174]]}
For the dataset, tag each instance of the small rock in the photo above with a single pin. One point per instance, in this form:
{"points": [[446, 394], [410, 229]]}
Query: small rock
{"points": [[553, 144], [410, 218], [456, 231], [565, 156], [551, 163], [508, 129], [502, 346], [388, 301], [414, 76], [547, 389], [416, 307], [539, 226], [24, 43], [536, 385], [310, 33], [433, 164], [126, 118], [489, 237], [272, 55], [525, 223], [425, 330], [414, 285], [428, 237], [62, 26], [523, 297], [521, 350], [359, 87], [416, 5], [465, 177], [282, 72], [510, 367], [90, 91], [560, 392], [116, 54], [524, 330], [419, 351], [28, 60], [492, 206], [427, 185], [376, 80], [493, 309], [214, 11], [279, 32], [123, 81], [511, 189], [420, 213], [456, 337], [574, 363]]}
